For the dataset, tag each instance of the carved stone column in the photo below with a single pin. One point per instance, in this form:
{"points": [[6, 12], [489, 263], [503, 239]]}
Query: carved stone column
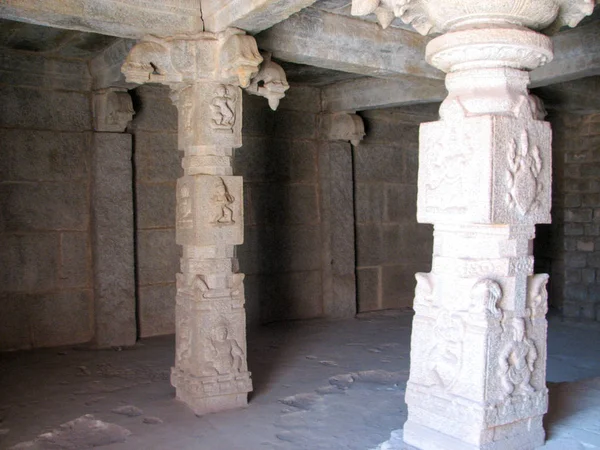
{"points": [[478, 351], [205, 73]]}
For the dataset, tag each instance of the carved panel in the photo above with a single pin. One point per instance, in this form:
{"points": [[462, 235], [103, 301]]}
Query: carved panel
{"points": [[446, 356], [522, 174], [209, 210], [517, 359]]}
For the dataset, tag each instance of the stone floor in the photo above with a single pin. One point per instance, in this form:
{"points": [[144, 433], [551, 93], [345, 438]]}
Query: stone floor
{"points": [[318, 385]]}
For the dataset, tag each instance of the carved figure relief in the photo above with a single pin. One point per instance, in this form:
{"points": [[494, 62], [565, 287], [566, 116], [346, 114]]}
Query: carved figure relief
{"points": [[227, 355], [447, 164], [517, 359], [485, 295], [537, 295], [221, 201], [184, 208], [223, 109], [445, 358], [524, 167]]}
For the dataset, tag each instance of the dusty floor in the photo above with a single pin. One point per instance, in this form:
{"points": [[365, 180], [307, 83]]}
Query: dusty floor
{"points": [[318, 385]]}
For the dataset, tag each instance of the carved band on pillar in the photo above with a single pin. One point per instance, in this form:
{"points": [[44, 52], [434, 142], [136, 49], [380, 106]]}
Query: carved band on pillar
{"points": [[478, 350], [205, 73]]}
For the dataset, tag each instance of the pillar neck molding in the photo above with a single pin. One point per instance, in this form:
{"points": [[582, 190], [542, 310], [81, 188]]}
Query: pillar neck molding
{"points": [[433, 16], [229, 57]]}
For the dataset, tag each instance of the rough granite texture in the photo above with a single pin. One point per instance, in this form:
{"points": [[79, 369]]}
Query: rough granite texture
{"points": [[46, 296], [571, 245], [390, 245]]}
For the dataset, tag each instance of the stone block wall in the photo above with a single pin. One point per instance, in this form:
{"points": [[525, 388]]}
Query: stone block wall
{"points": [[46, 295], [390, 245], [572, 243], [282, 251]]}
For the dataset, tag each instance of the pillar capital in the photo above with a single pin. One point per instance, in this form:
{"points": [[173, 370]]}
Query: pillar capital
{"points": [[229, 57], [342, 127], [433, 16], [113, 109]]}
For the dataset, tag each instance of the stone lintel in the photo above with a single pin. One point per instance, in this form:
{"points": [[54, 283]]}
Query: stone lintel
{"points": [[341, 43], [122, 18], [252, 16]]}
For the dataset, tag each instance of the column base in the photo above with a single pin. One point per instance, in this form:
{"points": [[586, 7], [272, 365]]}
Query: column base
{"points": [[205, 395], [425, 438]]}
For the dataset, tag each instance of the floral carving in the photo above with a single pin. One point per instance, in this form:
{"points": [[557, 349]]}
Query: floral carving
{"points": [[524, 167]]}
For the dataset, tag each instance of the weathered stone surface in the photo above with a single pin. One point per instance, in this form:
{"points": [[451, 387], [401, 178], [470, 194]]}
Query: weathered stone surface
{"points": [[379, 163], [370, 202], [158, 256], [44, 206], [276, 249], [31, 155], [335, 42], [156, 157], [337, 229], [27, 108], [252, 16], [154, 111], [106, 66], [113, 244], [157, 309], [155, 205], [125, 18], [276, 160], [40, 71], [61, 318], [283, 204], [287, 295], [395, 125], [15, 332], [400, 203], [397, 285], [576, 55], [75, 261], [301, 98], [369, 288], [371, 93], [112, 109]]}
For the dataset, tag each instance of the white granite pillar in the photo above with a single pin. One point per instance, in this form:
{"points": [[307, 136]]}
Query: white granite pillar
{"points": [[205, 73], [478, 350]]}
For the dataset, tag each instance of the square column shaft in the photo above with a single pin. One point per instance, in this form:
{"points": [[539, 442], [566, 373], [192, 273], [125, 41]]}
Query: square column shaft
{"points": [[204, 73]]}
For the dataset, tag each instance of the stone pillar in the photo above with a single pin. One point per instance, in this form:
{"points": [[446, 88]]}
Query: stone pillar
{"points": [[205, 73], [112, 220], [478, 350]]}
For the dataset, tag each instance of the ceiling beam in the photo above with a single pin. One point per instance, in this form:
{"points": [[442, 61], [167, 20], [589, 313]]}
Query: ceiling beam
{"points": [[347, 44], [373, 93], [576, 55], [249, 15], [123, 18]]}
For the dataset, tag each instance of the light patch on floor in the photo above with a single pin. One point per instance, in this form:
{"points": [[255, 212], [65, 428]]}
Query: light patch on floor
{"points": [[318, 385]]}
